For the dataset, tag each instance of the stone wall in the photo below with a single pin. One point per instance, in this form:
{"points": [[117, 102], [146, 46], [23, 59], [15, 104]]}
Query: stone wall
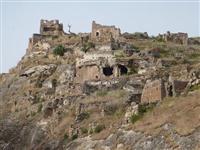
{"points": [[178, 87], [100, 66], [105, 34], [179, 38], [33, 40], [153, 91], [52, 27]]}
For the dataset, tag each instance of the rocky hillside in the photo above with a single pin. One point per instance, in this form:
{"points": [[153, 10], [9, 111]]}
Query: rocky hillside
{"points": [[103, 90]]}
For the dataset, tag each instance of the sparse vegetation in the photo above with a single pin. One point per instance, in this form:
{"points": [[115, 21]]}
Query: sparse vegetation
{"points": [[194, 87], [119, 53], [87, 46], [134, 47], [84, 130], [59, 50], [164, 53], [71, 98], [99, 128], [83, 115], [33, 113], [39, 108], [120, 112], [101, 93], [142, 109], [194, 56], [132, 70], [66, 136], [75, 136], [135, 117]]}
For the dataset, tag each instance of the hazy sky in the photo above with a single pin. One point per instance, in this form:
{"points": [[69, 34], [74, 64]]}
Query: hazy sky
{"points": [[21, 19]]}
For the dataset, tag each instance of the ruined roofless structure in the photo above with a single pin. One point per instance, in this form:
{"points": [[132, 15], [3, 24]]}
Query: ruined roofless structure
{"points": [[179, 38], [102, 33], [52, 27]]}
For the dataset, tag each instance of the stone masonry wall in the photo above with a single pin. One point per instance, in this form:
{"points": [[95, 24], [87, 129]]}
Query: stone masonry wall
{"points": [[52, 27], [153, 91], [179, 38], [178, 87], [101, 33]]}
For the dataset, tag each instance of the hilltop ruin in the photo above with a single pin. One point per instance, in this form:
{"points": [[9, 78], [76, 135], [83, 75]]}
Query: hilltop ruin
{"points": [[96, 85]]}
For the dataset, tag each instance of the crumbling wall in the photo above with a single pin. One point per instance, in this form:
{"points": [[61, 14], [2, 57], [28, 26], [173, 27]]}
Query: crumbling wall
{"points": [[101, 33], [179, 38], [153, 91], [178, 87], [33, 40], [52, 27], [100, 66]]}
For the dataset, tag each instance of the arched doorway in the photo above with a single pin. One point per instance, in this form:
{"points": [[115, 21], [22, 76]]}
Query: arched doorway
{"points": [[123, 70]]}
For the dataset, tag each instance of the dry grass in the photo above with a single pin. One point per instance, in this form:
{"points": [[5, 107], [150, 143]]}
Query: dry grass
{"points": [[182, 112], [110, 96], [111, 125]]}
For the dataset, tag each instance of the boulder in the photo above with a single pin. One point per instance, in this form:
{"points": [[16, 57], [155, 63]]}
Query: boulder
{"points": [[37, 70]]}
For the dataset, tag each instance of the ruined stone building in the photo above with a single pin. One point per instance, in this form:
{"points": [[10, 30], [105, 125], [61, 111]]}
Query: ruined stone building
{"points": [[52, 27], [179, 38], [47, 28], [104, 34], [153, 91], [158, 89], [175, 87], [100, 66]]}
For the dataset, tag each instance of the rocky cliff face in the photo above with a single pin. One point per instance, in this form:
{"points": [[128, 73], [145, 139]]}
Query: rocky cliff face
{"points": [[68, 92]]}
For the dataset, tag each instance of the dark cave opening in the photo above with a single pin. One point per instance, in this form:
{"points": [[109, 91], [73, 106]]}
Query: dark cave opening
{"points": [[107, 71], [123, 69]]}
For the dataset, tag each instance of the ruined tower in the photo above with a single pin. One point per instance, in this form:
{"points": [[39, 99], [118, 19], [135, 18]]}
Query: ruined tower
{"points": [[102, 33], [52, 27]]}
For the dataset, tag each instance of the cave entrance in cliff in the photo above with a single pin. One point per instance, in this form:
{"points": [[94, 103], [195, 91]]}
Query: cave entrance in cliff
{"points": [[123, 70], [107, 71]]}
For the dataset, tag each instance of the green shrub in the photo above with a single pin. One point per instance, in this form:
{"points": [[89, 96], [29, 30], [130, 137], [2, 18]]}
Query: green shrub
{"points": [[142, 109], [164, 53], [134, 47], [59, 50], [135, 117], [101, 93], [33, 113], [133, 71], [66, 136], [75, 136], [145, 108], [194, 56], [119, 112], [99, 128], [84, 130], [194, 87], [91, 45], [39, 108], [87, 46], [91, 131]]}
